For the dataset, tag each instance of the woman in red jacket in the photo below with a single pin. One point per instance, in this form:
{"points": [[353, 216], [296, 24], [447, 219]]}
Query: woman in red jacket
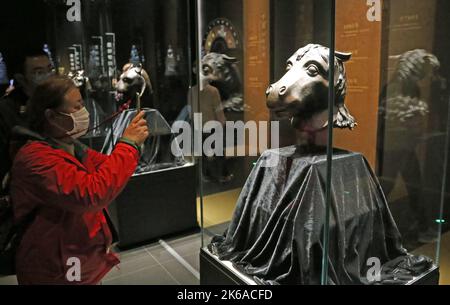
{"points": [[67, 188]]}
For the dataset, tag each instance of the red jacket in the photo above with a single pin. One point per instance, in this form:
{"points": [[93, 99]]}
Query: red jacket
{"points": [[70, 197]]}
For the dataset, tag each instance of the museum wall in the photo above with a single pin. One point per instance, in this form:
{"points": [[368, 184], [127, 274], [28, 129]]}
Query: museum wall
{"points": [[361, 37], [293, 25]]}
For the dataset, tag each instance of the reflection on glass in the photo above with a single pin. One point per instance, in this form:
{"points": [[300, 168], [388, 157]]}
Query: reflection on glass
{"points": [[405, 110]]}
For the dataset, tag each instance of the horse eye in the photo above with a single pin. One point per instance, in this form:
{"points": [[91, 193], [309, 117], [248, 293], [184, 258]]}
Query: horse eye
{"points": [[312, 70]]}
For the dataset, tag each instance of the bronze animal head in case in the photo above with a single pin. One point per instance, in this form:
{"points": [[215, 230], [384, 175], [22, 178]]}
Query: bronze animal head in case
{"points": [[133, 80], [302, 92]]}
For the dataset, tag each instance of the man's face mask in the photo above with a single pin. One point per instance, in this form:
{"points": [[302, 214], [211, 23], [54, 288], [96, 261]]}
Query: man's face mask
{"points": [[80, 121]]}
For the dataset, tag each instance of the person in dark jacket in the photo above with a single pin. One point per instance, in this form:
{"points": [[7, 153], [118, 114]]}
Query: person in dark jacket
{"points": [[67, 187], [29, 68]]}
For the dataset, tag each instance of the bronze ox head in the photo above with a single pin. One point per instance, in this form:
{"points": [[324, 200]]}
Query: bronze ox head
{"points": [[303, 90], [221, 71], [217, 67]]}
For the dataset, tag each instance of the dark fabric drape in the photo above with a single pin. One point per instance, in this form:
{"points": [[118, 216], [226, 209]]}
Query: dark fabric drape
{"points": [[276, 231]]}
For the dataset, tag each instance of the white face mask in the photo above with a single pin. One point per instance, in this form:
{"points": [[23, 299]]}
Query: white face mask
{"points": [[80, 120]]}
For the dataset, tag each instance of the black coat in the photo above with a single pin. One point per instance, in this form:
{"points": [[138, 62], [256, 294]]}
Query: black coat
{"points": [[11, 114]]}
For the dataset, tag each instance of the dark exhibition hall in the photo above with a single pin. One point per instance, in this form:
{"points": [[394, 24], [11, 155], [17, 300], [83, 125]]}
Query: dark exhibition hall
{"points": [[251, 143]]}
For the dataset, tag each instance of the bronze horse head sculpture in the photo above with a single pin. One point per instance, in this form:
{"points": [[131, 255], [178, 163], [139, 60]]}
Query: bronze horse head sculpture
{"points": [[133, 81], [302, 93]]}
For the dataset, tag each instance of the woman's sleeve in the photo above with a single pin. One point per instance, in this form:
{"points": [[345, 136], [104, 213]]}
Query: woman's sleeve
{"points": [[65, 185], [96, 158]]}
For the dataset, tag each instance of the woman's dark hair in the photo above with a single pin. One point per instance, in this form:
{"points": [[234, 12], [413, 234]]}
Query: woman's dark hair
{"points": [[47, 95]]}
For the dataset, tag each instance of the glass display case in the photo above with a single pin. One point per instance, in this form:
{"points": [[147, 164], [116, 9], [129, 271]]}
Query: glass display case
{"points": [[399, 92], [370, 206], [118, 48], [127, 56]]}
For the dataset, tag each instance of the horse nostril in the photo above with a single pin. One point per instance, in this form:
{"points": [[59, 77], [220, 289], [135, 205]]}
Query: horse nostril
{"points": [[269, 89], [282, 90]]}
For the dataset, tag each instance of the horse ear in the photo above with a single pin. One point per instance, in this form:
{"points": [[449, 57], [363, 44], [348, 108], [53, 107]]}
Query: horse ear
{"points": [[138, 68], [395, 57], [127, 67], [432, 60], [343, 56]]}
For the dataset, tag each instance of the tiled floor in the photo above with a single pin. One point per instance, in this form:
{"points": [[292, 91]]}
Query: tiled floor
{"points": [[218, 208], [153, 264]]}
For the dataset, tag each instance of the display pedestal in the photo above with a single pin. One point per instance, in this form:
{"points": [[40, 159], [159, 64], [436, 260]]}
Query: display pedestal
{"points": [[216, 272], [156, 204], [276, 232]]}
